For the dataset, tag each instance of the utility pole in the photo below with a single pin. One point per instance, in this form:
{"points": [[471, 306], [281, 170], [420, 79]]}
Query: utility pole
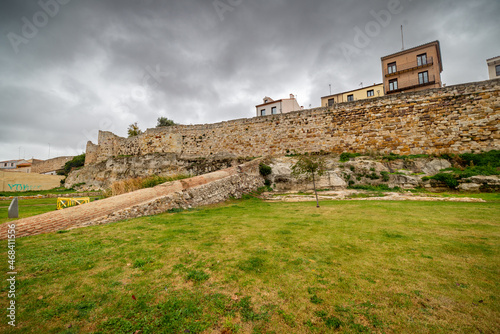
{"points": [[402, 39]]}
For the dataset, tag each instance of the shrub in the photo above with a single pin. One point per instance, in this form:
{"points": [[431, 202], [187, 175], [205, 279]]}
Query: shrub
{"points": [[491, 158], [385, 176], [76, 162], [346, 156], [447, 178], [265, 170]]}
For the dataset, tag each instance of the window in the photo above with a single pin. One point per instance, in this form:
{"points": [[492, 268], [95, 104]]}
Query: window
{"points": [[423, 77], [273, 111], [350, 97], [371, 92], [497, 68], [263, 112], [393, 84], [331, 102], [422, 59], [391, 68]]}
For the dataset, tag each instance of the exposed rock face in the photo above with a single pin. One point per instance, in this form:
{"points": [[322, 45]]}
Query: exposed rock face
{"points": [[405, 174], [101, 175], [481, 183], [433, 167]]}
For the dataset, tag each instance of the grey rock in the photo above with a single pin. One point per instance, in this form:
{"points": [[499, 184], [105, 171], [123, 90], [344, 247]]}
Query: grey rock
{"points": [[481, 179], [469, 187], [434, 166], [14, 209]]}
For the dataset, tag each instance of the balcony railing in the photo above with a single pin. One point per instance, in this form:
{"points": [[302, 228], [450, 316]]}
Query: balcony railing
{"points": [[406, 67], [410, 84]]}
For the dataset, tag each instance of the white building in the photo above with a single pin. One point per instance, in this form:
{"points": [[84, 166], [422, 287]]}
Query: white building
{"points": [[272, 107], [494, 67]]}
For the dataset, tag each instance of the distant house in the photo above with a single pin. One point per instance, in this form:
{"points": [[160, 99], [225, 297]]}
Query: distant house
{"points": [[369, 92], [16, 165], [272, 107], [493, 67], [9, 164], [413, 69]]}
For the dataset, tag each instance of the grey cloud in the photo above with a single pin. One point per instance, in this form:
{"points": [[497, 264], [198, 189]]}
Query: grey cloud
{"points": [[84, 69]]}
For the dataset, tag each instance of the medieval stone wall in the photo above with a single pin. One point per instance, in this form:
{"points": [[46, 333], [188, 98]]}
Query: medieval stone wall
{"points": [[46, 166], [452, 119]]}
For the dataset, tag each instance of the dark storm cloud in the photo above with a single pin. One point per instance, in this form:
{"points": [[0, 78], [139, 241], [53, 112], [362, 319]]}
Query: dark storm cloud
{"points": [[105, 64]]}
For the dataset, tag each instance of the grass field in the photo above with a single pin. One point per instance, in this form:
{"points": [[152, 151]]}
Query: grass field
{"points": [[30, 207], [249, 266]]}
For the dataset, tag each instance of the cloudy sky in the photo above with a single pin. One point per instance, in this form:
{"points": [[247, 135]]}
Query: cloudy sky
{"points": [[70, 68]]}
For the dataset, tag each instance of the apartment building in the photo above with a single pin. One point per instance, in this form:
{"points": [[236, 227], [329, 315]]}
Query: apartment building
{"points": [[375, 90], [274, 107], [413, 69], [493, 67]]}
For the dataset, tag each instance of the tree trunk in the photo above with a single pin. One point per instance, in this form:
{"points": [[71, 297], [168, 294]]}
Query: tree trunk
{"points": [[315, 192]]}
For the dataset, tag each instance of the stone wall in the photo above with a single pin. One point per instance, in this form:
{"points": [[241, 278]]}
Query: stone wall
{"points": [[200, 190], [12, 181], [454, 119], [46, 166]]}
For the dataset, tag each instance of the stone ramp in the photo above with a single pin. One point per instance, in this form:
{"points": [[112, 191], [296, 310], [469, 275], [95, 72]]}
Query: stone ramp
{"points": [[200, 190]]}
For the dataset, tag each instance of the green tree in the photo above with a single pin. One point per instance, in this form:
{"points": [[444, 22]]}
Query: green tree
{"points": [[309, 167], [164, 121], [133, 130], [77, 161]]}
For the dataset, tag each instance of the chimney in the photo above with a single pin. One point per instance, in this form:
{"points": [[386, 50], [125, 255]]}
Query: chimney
{"points": [[291, 96]]}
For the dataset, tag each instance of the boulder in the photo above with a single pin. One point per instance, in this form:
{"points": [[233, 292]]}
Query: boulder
{"points": [[433, 167]]}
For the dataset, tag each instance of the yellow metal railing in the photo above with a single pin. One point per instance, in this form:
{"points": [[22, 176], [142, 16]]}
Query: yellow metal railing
{"points": [[67, 202]]}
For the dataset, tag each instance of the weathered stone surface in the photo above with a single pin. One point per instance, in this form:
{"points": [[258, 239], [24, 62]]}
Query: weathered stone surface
{"points": [[102, 175], [434, 166], [14, 209], [469, 187], [480, 183], [453, 119]]}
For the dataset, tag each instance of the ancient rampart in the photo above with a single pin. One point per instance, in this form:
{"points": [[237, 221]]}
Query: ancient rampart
{"points": [[452, 119]]}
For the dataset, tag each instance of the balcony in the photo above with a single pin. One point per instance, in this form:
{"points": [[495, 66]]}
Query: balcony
{"points": [[410, 84], [407, 67]]}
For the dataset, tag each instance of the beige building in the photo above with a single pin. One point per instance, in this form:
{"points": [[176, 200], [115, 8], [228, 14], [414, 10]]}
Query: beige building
{"points": [[494, 67], [369, 92], [272, 107], [413, 69], [15, 181]]}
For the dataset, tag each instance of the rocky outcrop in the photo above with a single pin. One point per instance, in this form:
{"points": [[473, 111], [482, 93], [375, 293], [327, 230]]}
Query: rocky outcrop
{"points": [[480, 183], [404, 174], [101, 175]]}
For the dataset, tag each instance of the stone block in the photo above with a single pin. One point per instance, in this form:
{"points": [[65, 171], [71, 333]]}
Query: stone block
{"points": [[14, 209]]}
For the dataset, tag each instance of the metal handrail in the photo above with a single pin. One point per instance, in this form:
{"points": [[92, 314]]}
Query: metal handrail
{"points": [[402, 85], [409, 66]]}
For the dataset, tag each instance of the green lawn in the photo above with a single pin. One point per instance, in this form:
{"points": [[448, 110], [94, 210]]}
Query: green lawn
{"points": [[30, 207], [254, 267]]}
